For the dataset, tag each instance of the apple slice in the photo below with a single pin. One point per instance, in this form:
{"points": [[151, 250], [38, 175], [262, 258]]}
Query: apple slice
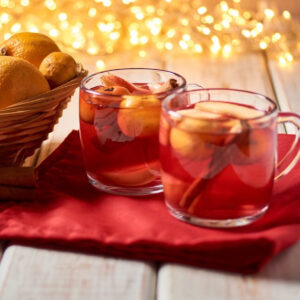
{"points": [[199, 132], [190, 144], [186, 138], [139, 116], [133, 176], [255, 145], [229, 109], [113, 80]]}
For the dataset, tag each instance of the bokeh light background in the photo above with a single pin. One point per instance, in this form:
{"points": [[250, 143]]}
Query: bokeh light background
{"points": [[99, 28]]}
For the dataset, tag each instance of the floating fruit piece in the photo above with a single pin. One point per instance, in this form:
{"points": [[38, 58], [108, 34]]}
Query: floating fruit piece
{"points": [[31, 46], [88, 103], [263, 170], [58, 68], [194, 119], [187, 138], [164, 131], [86, 108], [19, 80], [254, 145], [164, 87], [229, 109], [139, 116], [190, 144], [198, 132], [113, 90], [113, 80], [132, 176], [174, 188]]}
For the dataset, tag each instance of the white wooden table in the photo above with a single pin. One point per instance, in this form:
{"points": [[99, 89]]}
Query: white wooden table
{"points": [[29, 273]]}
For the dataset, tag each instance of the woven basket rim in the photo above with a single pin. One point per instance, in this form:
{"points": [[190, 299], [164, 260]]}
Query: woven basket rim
{"points": [[26, 124], [58, 91]]}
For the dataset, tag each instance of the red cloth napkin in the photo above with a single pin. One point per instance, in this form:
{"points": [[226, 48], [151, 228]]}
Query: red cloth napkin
{"points": [[70, 213]]}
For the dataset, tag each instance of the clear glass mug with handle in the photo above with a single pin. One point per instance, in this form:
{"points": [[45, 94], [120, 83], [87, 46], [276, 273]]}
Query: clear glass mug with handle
{"points": [[119, 124], [218, 152]]}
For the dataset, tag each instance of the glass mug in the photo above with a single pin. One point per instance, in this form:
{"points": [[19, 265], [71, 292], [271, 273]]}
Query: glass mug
{"points": [[119, 124], [218, 155]]}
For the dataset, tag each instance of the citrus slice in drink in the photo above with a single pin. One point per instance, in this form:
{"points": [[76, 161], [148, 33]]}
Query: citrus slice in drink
{"points": [[189, 137], [137, 175], [86, 109], [139, 116], [174, 188]]}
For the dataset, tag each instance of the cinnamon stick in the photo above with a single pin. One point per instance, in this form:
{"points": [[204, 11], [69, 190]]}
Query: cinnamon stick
{"points": [[18, 176]]}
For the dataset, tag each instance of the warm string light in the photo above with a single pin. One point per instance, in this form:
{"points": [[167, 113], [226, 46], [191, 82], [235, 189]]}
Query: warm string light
{"points": [[99, 27]]}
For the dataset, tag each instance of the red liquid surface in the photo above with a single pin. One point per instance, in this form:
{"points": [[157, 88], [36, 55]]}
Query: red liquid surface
{"points": [[219, 174], [120, 145]]}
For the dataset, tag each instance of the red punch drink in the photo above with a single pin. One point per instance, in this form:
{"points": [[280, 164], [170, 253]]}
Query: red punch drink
{"points": [[218, 157], [119, 124]]}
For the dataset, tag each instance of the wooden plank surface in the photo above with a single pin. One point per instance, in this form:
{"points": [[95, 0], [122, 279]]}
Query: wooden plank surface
{"points": [[286, 82], [246, 71], [36, 274], [278, 280]]}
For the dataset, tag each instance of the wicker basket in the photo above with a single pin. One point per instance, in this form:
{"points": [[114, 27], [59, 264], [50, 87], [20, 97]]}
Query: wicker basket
{"points": [[26, 124]]}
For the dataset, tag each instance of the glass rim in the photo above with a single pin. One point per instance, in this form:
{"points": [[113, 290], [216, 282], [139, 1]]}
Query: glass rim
{"points": [[90, 91], [169, 98]]}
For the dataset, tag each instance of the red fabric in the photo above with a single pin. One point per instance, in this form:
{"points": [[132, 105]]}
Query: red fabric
{"points": [[69, 213]]}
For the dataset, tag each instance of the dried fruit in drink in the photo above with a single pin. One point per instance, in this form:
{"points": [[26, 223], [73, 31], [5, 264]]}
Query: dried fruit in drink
{"points": [[58, 68], [113, 90], [139, 116], [31, 46], [113, 80], [19, 80], [164, 87]]}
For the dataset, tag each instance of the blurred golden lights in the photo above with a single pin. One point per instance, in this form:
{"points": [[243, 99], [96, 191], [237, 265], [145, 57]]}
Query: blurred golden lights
{"points": [[100, 27]]}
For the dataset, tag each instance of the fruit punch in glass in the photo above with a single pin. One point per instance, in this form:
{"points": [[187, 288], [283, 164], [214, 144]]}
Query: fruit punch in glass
{"points": [[119, 123], [218, 154]]}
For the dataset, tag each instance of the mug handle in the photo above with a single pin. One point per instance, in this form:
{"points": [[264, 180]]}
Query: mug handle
{"points": [[291, 158], [193, 86]]}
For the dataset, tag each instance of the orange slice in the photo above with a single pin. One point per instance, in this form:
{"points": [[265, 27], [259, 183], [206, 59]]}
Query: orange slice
{"points": [[133, 176]]}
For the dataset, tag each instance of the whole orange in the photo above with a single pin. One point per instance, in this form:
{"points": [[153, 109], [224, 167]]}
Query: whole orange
{"points": [[58, 68], [19, 80], [31, 46]]}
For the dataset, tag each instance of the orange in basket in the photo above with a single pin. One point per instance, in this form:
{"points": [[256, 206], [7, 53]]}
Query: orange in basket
{"points": [[28, 108]]}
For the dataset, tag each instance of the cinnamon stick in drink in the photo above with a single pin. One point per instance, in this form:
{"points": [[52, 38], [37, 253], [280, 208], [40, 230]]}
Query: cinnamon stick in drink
{"points": [[220, 160]]}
